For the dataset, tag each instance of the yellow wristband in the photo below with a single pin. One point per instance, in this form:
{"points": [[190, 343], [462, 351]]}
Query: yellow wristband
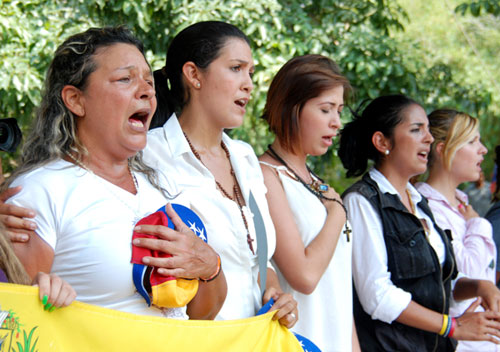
{"points": [[445, 324]]}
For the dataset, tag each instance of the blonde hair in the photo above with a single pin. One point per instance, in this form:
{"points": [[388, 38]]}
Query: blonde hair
{"points": [[9, 263], [454, 129]]}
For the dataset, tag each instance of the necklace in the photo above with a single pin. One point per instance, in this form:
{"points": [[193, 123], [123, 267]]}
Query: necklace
{"points": [[137, 216], [414, 212], [237, 197], [317, 187]]}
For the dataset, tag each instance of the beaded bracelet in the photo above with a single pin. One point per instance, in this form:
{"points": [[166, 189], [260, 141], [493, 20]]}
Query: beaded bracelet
{"points": [[217, 271]]}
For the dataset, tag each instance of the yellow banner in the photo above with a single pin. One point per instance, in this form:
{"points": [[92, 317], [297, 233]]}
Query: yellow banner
{"points": [[25, 326]]}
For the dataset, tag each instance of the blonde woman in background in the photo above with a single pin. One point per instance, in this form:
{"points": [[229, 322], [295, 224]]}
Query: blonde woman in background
{"points": [[455, 157]]}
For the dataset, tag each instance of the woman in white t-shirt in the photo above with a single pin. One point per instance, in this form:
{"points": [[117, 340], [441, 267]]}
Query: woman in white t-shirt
{"points": [[313, 249], [81, 171]]}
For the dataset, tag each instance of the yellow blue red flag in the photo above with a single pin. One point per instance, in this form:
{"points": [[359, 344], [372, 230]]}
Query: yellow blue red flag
{"points": [[25, 326]]}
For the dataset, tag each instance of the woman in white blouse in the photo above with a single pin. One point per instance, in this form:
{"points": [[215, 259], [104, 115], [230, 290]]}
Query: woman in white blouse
{"points": [[403, 264], [313, 247], [202, 90]]}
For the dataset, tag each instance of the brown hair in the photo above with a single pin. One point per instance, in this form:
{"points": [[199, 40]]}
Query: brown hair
{"points": [[454, 129], [9, 263], [299, 80]]}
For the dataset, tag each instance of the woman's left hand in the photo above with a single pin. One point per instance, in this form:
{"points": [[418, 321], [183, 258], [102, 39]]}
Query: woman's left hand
{"points": [[54, 292], [286, 305], [191, 257], [490, 295]]}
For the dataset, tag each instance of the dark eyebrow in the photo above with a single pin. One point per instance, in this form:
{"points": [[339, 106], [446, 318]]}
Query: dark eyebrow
{"points": [[330, 103], [418, 124], [243, 62]]}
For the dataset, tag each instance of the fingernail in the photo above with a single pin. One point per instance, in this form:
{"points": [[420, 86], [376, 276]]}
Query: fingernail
{"points": [[47, 306], [146, 260], [24, 238], [136, 241], [45, 299], [137, 228], [53, 308], [32, 225], [31, 214], [460, 206]]}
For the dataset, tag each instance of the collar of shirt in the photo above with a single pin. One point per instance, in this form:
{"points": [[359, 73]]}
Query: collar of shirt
{"points": [[178, 145], [386, 187], [432, 194]]}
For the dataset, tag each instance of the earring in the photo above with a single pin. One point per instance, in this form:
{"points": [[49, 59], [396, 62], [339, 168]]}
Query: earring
{"points": [[197, 85], [386, 152]]}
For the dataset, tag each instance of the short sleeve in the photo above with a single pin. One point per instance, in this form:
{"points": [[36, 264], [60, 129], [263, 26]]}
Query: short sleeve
{"points": [[37, 195]]}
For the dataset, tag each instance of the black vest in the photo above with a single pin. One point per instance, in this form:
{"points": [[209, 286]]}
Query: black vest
{"points": [[414, 267]]}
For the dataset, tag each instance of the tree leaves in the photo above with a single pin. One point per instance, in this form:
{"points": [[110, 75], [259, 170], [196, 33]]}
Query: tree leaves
{"points": [[361, 35]]}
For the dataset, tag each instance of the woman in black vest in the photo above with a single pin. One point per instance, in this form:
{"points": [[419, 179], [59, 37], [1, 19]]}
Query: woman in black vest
{"points": [[403, 264]]}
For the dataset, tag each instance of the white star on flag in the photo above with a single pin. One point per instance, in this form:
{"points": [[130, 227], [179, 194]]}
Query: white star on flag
{"points": [[198, 232]]}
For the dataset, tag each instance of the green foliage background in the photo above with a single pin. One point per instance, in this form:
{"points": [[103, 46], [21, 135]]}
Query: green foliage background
{"points": [[438, 52]]}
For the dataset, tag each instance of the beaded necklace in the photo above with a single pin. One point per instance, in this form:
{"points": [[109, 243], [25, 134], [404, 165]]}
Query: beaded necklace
{"points": [[317, 187], [237, 197], [134, 179]]}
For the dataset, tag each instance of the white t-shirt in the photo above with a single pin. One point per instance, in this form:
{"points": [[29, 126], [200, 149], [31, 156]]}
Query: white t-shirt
{"points": [[88, 222], [325, 315], [169, 153]]}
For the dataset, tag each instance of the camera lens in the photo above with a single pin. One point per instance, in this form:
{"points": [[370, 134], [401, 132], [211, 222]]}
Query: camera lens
{"points": [[10, 135]]}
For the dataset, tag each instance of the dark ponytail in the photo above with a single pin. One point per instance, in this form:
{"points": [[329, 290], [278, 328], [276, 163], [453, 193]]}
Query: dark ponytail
{"points": [[166, 104], [383, 114], [199, 43]]}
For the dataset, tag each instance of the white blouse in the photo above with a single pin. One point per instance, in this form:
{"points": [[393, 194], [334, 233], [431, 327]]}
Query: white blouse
{"points": [[325, 315], [194, 185]]}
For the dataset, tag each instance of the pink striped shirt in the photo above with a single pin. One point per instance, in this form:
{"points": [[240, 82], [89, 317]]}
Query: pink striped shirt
{"points": [[475, 250]]}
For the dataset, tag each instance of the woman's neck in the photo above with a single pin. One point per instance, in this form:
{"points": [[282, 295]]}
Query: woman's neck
{"points": [[200, 131], [295, 161], [443, 182], [396, 178], [115, 171]]}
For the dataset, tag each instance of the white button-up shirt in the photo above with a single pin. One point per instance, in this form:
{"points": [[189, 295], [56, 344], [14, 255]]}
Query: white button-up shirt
{"points": [[182, 174], [378, 295]]}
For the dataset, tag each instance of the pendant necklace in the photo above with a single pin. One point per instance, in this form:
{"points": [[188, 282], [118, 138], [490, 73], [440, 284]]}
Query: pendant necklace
{"points": [[237, 196], [317, 186], [137, 215]]}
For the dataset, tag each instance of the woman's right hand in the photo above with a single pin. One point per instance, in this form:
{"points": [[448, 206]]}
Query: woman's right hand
{"points": [[14, 218], [467, 211], [191, 257], [333, 207], [478, 325]]}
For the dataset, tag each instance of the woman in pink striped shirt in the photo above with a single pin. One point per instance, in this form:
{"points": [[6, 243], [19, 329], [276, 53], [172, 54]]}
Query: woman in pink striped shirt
{"points": [[455, 158]]}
